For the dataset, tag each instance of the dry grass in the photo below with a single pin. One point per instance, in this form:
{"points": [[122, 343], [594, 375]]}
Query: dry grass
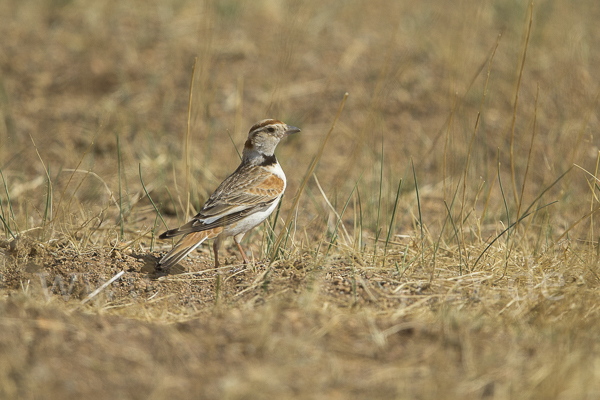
{"points": [[465, 261]]}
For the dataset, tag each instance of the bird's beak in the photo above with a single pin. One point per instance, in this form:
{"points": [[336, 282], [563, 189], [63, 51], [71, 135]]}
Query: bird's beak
{"points": [[291, 129]]}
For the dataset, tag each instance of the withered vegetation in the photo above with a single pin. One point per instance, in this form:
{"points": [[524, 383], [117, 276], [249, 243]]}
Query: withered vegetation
{"points": [[444, 246]]}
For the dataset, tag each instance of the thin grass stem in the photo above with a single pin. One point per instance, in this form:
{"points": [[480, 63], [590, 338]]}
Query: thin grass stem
{"points": [[391, 225], [516, 103], [121, 222], [10, 207], [309, 172], [186, 156], [420, 218], [150, 198]]}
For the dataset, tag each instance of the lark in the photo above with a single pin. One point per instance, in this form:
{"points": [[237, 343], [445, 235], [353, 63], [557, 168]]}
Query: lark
{"points": [[244, 200]]}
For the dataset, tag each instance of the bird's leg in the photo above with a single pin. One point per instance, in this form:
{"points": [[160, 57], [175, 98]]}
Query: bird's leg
{"points": [[216, 244], [237, 240], [246, 261]]}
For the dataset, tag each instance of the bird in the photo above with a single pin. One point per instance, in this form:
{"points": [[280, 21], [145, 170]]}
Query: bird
{"points": [[241, 202]]}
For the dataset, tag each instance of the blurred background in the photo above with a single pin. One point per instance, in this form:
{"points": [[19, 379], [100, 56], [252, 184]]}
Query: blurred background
{"points": [[84, 83], [103, 88]]}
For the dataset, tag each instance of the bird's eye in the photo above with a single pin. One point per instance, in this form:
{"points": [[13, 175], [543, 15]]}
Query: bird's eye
{"points": [[270, 129]]}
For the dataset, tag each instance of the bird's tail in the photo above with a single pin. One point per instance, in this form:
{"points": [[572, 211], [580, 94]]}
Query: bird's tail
{"points": [[185, 246]]}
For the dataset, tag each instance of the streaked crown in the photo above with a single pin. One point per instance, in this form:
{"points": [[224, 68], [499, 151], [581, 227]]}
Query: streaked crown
{"points": [[264, 136]]}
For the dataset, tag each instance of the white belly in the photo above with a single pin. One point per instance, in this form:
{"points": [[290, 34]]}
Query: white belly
{"points": [[249, 222], [255, 219]]}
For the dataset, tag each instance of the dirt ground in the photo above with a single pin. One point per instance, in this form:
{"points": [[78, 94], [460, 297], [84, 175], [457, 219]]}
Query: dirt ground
{"points": [[302, 330], [193, 285]]}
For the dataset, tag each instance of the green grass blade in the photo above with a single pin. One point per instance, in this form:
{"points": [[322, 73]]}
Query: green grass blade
{"points": [[391, 225], [271, 233], [420, 217], [449, 216], [337, 225], [507, 229]]}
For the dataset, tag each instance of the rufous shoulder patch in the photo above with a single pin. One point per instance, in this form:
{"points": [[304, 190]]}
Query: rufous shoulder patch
{"points": [[271, 186], [272, 182]]}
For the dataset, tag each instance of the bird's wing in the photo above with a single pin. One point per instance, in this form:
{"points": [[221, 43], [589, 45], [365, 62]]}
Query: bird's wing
{"points": [[248, 190]]}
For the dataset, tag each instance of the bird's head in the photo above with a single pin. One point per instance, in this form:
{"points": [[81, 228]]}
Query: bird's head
{"points": [[264, 137]]}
